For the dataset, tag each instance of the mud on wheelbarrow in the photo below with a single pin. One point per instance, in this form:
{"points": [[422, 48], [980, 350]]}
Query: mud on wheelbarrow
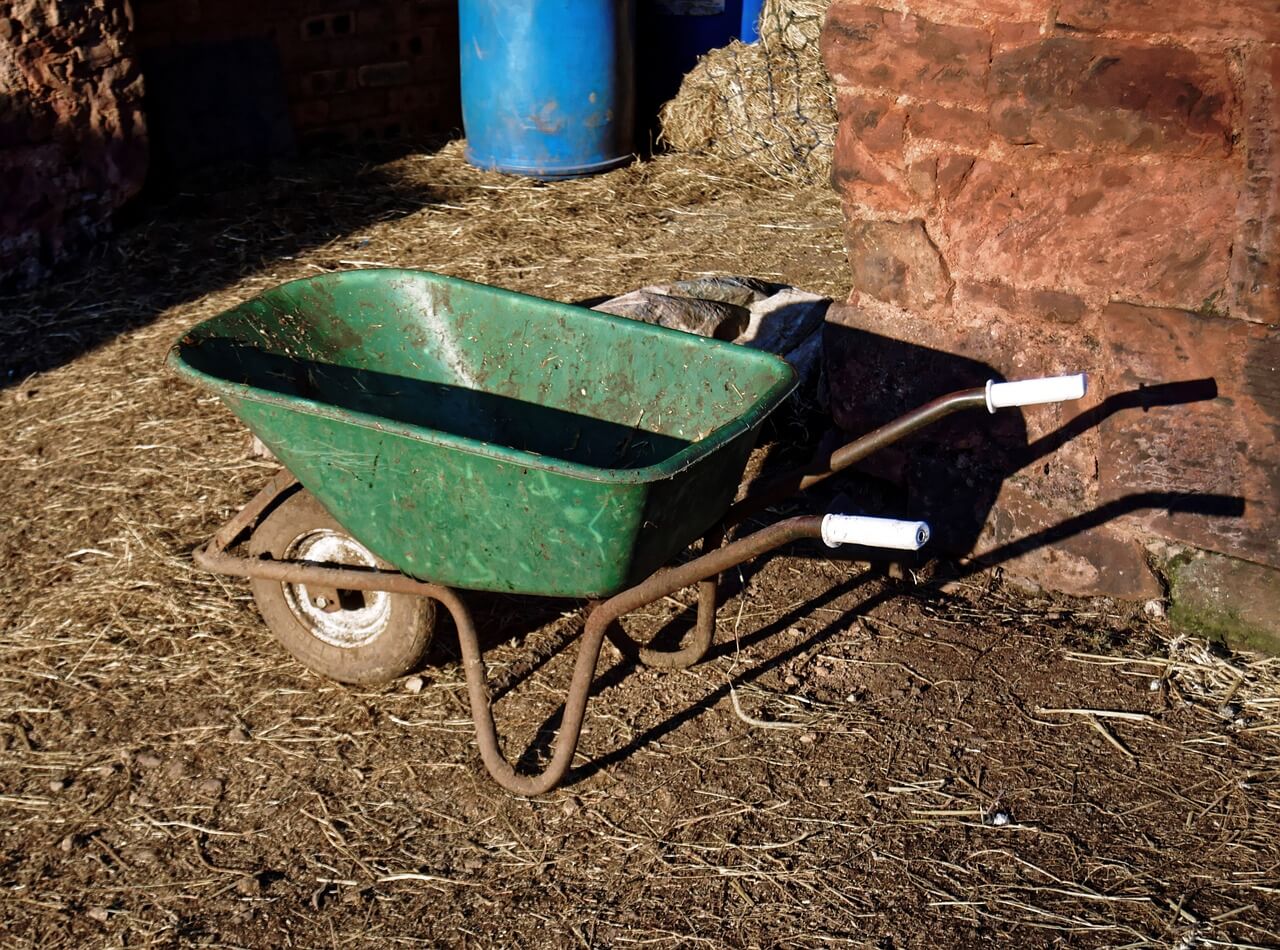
{"points": [[440, 435]]}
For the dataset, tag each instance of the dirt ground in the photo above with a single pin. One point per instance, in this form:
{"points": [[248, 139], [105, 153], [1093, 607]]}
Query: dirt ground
{"points": [[875, 757]]}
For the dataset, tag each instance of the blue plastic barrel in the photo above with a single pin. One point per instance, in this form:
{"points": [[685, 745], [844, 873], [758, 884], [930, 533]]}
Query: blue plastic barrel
{"points": [[751, 20], [548, 86]]}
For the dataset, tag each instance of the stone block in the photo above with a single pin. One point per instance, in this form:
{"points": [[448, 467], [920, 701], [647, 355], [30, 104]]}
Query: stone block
{"points": [[897, 262], [1039, 161], [1255, 261], [922, 177], [950, 125], [1228, 20], [1158, 233], [900, 54], [868, 168], [953, 172], [878, 122], [1235, 602], [1032, 534], [986, 12], [1223, 448], [1094, 94], [1056, 306]]}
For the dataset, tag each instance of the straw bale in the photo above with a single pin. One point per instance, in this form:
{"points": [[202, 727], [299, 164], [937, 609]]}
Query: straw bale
{"points": [[769, 103]]}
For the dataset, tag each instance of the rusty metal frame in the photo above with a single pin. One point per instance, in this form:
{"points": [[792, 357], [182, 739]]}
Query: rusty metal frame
{"points": [[703, 571]]}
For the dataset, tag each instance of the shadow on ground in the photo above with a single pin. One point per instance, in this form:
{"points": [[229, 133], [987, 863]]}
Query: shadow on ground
{"points": [[214, 228]]}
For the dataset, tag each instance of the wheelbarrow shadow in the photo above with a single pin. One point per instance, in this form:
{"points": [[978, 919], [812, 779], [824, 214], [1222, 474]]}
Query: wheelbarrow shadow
{"points": [[950, 474], [1214, 505], [175, 243]]}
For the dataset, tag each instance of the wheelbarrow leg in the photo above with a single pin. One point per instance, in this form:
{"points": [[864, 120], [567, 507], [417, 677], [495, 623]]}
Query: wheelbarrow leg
{"points": [[703, 635], [698, 571], [575, 705]]}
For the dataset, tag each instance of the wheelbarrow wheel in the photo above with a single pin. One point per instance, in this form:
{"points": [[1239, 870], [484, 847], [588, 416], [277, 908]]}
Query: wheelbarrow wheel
{"points": [[358, 637]]}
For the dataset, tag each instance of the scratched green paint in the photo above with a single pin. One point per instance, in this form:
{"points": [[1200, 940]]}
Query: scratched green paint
{"points": [[485, 439]]}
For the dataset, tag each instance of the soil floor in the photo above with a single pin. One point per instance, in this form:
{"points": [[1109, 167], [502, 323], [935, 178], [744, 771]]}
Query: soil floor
{"points": [[873, 756]]}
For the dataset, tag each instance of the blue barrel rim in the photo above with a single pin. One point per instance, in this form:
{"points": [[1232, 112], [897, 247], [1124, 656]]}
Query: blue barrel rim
{"points": [[546, 172]]}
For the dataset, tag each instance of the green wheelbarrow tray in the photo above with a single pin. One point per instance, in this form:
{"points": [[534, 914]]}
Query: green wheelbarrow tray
{"points": [[451, 435], [487, 439]]}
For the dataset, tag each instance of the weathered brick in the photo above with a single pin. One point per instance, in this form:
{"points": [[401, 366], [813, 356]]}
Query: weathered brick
{"points": [[1255, 261], [439, 70], [387, 17], [962, 128], [897, 262], [1095, 94], [326, 82], [1230, 20], [1029, 536], [1228, 446], [953, 171], [985, 12], [1056, 306], [361, 104], [72, 139], [1151, 232], [314, 28], [414, 98], [309, 114], [903, 54], [869, 166], [434, 11], [359, 51], [299, 55], [384, 74]]}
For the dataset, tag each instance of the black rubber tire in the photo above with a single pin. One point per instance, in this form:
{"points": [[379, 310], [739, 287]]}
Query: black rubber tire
{"points": [[399, 625]]}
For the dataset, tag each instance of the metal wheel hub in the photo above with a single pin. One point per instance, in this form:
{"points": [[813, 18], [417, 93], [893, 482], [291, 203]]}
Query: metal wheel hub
{"points": [[359, 616]]}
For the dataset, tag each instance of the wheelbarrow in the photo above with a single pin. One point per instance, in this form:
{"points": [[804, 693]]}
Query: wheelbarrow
{"points": [[439, 435]]}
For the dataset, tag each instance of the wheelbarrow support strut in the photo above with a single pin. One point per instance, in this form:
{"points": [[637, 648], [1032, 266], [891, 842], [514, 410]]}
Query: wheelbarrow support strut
{"points": [[602, 620]]}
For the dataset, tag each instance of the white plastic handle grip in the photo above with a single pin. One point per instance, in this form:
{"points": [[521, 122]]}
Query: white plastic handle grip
{"points": [[874, 532], [1029, 392]]}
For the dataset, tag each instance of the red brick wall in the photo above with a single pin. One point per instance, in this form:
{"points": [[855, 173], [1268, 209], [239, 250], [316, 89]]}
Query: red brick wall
{"points": [[352, 69], [1052, 185], [72, 137]]}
